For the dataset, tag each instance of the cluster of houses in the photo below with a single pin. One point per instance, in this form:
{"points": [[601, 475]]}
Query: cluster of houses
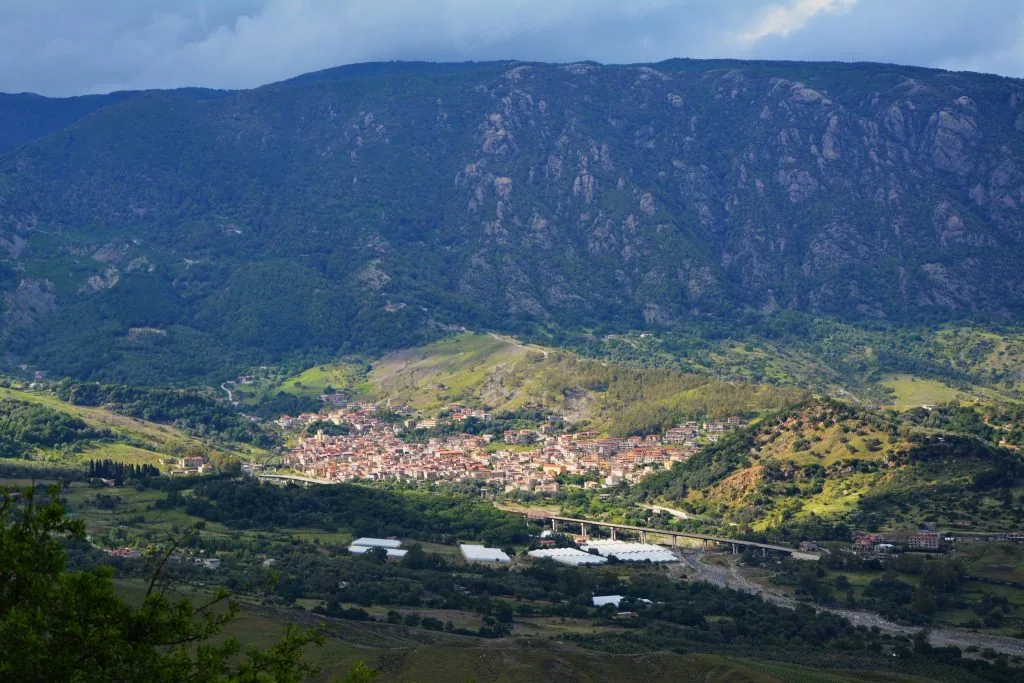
{"points": [[926, 539], [878, 542], [188, 465], [691, 433], [373, 450], [177, 557]]}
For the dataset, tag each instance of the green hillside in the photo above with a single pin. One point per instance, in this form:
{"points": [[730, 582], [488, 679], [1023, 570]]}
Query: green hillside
{"points": [[876, 364], [500, 374], [50, 431], [869, 469]]}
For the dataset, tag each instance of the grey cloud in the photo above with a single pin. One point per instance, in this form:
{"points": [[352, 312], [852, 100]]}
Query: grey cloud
{"points": [[919, 32], [62, 47]]}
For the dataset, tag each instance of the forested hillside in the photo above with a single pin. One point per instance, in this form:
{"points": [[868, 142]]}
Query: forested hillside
{"points": [[159, 235]]}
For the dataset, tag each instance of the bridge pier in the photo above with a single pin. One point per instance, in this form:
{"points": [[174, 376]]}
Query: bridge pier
{"points": [[643, 537], [733, 548], [554, 526], [583, 528], [613, 533]]}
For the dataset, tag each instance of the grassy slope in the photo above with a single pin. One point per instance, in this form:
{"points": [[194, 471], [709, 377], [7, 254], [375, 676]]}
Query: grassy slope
{"points": [[315, 380], [458, 369], [485, 370], [911, 392], [160, 439]]}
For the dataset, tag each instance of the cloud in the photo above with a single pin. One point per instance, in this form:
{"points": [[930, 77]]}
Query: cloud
{"points": [[63, 47], [779, 20]]}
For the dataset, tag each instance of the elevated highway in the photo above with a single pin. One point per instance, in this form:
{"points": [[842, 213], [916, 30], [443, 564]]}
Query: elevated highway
{"points": [[645, 532]]}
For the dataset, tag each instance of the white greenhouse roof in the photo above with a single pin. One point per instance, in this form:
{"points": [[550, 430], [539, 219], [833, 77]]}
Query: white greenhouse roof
{"points": [[378, 542], [632, 552], [568, 556], [601, 600], [361, 549], [478, 553]]}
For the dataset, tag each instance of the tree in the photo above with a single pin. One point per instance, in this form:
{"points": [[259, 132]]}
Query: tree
{"points": [[360, 673], [924, 601], [59, 625], [379, 555]]}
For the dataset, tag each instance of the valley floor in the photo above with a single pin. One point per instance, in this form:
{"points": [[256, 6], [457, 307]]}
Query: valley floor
{"points": [[723, 571]]}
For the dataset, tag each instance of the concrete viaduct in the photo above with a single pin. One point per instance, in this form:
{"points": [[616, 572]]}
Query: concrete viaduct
{"points": [[644, 532], [290, 477]]}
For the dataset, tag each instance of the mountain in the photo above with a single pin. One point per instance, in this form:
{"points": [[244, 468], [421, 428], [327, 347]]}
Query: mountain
{"points": [[26, 117], [157, 235]]}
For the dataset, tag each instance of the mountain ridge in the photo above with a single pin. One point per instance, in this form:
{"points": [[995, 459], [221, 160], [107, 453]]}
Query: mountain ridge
{"points": [[354, 209]]}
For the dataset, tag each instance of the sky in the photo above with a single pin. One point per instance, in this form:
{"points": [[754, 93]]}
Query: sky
{"points": [[72, 47]]}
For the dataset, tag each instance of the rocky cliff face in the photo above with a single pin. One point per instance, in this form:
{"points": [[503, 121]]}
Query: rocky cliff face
{"points": [[508, 191]]}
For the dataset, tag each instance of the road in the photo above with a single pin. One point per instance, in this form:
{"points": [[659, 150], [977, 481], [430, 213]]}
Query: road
{"points": [[293, 477], [231, 397], [678, 514], [728, 577], [517, 344]]}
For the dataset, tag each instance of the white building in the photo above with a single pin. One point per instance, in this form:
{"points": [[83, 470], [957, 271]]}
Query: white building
{"points": [[363, 549], [478, 553], [625, 551], [601, 600], [569, 556], [378, 542]]}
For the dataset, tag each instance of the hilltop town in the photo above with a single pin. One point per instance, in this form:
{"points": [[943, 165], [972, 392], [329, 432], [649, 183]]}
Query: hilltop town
{"points": [[528, 459]]}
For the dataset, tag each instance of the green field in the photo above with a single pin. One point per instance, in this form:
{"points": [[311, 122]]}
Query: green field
{"points": [[913, 392]]}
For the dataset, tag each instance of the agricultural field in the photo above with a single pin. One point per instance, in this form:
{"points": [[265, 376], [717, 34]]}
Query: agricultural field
{"points": [[913, 392]]}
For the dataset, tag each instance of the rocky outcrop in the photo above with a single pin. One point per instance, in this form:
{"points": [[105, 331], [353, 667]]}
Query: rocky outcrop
{"points": [[29, 303]]}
